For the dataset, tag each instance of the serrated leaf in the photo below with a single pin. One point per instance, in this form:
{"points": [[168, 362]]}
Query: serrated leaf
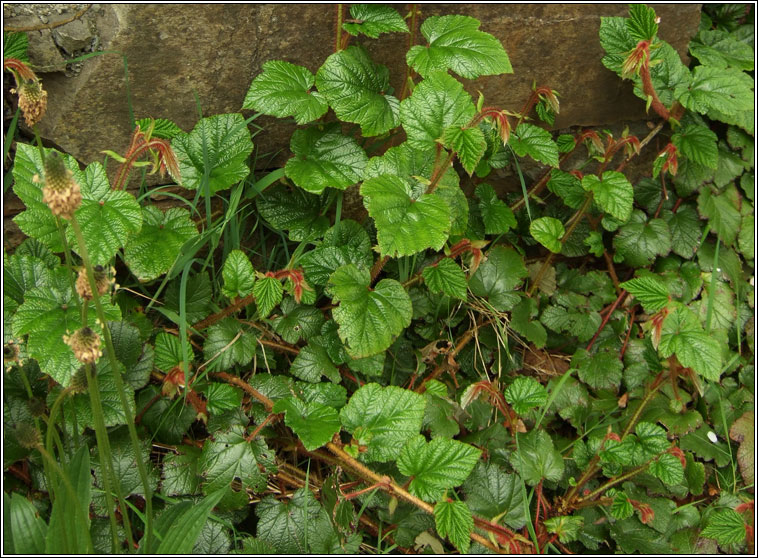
{"points": [[668, 468], [314, 423], [324, 158], [498, 218], [297, 322], [535, 142], [407, 221], [437, 103], [682, 334], [631, 537], [152, 251], [652, 293], [616, 41], [228, 344], [492, 493], [198, 297], [374, 19], [284, 89], [727, 90], [685, 231], [521, 322], [268, 293], [353, 247], [168, 351], [726, 526], [454, 521], [446, 277], [613, 193], [699, 143], [567, 527], [498, 276], [548, 231], [383, 419], [621, 508], [722, 212], [467, 143], [601, 370], [641, 23], [355, 86], [719, 49], [369, 320], [455, 43], [742, 431], [638, 242], [650, 440], [15, 45], [295, 211], [312, 362], [567, 186], [524, 393], [238, 274], [537, 459], [162, 127], [217, 146], [21, 274], [222, 397], [436, 466]]}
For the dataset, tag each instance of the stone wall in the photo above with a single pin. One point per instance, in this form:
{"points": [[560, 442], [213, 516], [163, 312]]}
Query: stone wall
{"points": [[182, 55]]}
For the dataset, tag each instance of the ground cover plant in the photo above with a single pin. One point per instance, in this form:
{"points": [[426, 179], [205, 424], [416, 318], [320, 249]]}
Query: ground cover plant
{"points": [[564, 368]]}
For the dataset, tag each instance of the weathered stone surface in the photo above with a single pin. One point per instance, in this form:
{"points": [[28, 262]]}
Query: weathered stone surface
{"points": [[214, 50]]}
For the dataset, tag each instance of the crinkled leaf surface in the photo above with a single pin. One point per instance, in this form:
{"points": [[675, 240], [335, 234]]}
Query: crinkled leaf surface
{"points": [[436, 103], [525, 393], [152, 251], [548, 231], [668, 468], [436, 466], [651, 292], [454, 521], [355, 87], [601, 370], [639, 241], [383, 418], [536, 142], [613, 193], [498, 218], [324, 158], [490, 493], [683, 335], [468, 143], [407, 220], [498, 275], [162, 127], [313, 422], [727, 90], [284, 89], [268, 293], [641, 23], [719, 49], [698, 143], [374, 19], [346, 243], [455, 43], [537, 459], [446, 277], [295, 211], [743, 432], [238, 274], [229, 343], [369, 319], [726, 526], [218, 146], [722, 211], [312, 362], [686, 230]]}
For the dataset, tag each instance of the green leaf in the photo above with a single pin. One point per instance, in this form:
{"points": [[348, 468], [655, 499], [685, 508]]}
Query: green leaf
{"points": [[446, 277], [369, 320], [468, 143], [297, 321], [27, 528], [567, 186], [37, 221], [185, 530], [21, 274], [632, 537], [222, 397], [682, 334], [720, 49], [238, 274], [613, 193], [229, 344], [229, 456], [536, 142], [324, 158], [153, 250], [312, 362], [727, 90], [69, 515], [616, 41], [699, 143], [314, 423], [454, 521], [742, 431], [217, 146], [525, 393], [198, 297], [162, 127], [601, 370], [685, 230], [726, 526], [491, 493], [668, 468], [639, 242], [284, 89], [168, 351], [268, 293], [407, 221], [355, 87], [107, 217], [383, 419], [722, 212], [621, 508], [497, 216], [436, 466], [15, 45], [652, 293], [641, 23], [295, 211], [548, 231], [437, 103], [374, 19], [321, 262], [455, 43], [651, 440], [498, 276], [567, 527], [521, 322], [536, 458]]}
